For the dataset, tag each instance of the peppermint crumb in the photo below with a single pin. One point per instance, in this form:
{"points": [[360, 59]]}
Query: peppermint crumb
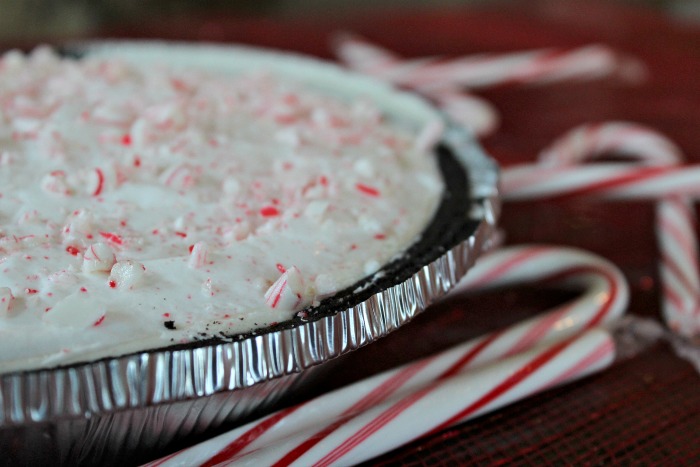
{"points": [[169, 325]]}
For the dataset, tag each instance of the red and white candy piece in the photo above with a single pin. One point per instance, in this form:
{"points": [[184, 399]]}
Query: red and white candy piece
{"points": [[198, 255], [127, 274], [657, 174], [680, 275], [79, 225], [6, 300], [56, 183], [98, 257], [543, 66], [444, 80], [91, 182], [181, 176], [610, 181], [623, 139], [289, 292], [98, 180]]}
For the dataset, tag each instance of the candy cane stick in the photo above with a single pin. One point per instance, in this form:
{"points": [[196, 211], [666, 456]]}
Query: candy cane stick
{"points": [[499, 368], [445, 80], [610, 181], [475, 393], [395, 421], [399, 420], [659, 176], [624, 139], [542, 66], [680, 277]]}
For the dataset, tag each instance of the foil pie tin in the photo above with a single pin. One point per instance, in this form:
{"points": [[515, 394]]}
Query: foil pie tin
{"points": [[131, 408]]}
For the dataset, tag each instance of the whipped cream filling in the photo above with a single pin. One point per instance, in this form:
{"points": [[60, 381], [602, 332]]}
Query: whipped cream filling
{"points": [[143, 206]]}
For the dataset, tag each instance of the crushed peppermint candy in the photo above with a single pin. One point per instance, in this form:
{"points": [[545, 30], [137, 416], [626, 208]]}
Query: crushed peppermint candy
{"points": [[198, 255], [289, 292], [6, 300], [134, 190], [98, 257], [127, 274]]}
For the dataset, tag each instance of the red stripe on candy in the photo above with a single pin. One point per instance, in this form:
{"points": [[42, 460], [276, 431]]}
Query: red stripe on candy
{"points": [[366, 189], [100, 182]]}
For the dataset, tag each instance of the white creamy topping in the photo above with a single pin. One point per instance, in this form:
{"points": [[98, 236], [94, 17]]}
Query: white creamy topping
{"points": [[142, 206]]}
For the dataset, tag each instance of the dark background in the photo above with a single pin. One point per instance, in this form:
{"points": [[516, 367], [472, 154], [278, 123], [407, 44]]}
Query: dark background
{"points": [[25, 21]]}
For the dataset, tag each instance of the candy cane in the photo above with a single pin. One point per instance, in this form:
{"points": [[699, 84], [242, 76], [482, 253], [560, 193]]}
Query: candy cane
{"points": [[610, 181], [445, 80], [463, 382], [680, 278], [657, 174], [534, 67], [624, 139]]}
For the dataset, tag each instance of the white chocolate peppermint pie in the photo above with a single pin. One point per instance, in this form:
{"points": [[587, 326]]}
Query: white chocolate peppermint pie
{"points": [[144, 205]]}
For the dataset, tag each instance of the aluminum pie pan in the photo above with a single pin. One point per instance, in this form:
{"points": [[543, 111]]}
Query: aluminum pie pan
{"points": [[85, 411]]}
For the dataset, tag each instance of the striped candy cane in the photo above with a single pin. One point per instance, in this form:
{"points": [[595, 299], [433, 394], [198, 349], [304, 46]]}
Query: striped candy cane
{"points": [[609, 181], [534, 67], [445, 80], [363, 420], [658, 173]]}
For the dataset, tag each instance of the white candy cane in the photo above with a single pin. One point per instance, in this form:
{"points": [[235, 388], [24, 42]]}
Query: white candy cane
{"points": [[624, 139], [609, 181], [657, 174], [445, 80], [342, 427], [543, 66]]}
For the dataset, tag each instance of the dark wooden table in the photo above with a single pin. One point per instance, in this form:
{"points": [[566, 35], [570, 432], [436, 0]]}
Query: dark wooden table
{"points": [[644, 410]]}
